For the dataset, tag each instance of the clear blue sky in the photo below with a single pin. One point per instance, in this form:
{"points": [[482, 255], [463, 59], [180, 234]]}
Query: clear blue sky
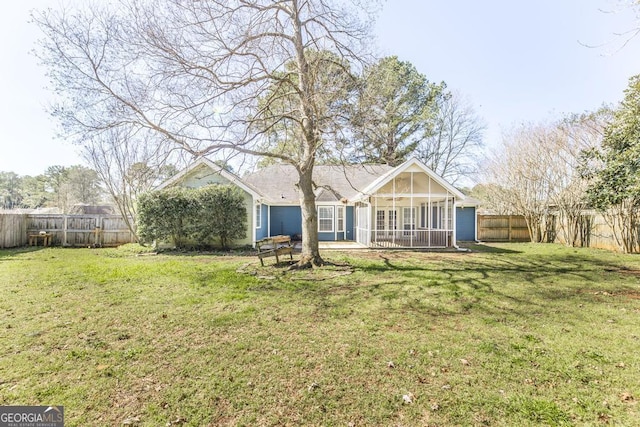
{"points": [[515, 60]]}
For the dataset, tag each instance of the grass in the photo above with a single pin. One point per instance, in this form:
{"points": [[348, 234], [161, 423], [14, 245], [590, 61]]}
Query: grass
{"points": [[505, 335]]}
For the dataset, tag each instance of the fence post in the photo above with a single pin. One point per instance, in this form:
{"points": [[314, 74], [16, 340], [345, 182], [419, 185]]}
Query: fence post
{"points": [[66, 227]]}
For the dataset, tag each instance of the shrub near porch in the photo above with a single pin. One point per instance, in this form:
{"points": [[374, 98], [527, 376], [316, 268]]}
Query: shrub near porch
{"points": [[505, 335]]}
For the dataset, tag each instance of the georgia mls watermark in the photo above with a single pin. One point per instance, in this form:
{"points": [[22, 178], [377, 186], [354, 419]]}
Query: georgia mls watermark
{"points": [[31, 416]]}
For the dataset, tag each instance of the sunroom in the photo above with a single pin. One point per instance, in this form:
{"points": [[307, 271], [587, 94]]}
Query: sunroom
{"points": [[410, 207]]}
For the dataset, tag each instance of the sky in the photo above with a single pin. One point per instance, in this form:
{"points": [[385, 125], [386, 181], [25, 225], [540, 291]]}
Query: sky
{"points": [[514, 60]]}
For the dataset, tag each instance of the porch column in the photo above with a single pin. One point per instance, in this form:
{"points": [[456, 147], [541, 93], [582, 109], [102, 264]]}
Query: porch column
{"points": [[446, 217], [455, 227], [393, 204], [375, 219], [413, 214], [429, 214], [369, 224]]}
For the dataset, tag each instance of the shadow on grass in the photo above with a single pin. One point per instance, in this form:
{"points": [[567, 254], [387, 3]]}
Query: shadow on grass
{"points": [[521, 283], [6, 254], [489, 249]]}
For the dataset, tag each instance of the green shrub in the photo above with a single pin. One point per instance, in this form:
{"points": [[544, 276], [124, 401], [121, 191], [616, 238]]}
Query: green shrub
{"points": [[222, 214], [193, 215]]}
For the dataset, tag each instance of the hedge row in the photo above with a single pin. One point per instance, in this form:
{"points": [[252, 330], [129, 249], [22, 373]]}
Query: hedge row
{"points": [[207, 216]]}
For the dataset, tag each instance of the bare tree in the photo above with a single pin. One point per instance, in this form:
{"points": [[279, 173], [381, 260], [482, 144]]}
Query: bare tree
{"points": [[538, 173], [128, 165], [564, 157], [193, 72], [453, 147], [520, 176], [623, 37]]}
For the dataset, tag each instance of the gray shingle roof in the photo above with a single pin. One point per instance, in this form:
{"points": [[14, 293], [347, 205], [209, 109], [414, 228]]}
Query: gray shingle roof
{"points": [[277, 182]]}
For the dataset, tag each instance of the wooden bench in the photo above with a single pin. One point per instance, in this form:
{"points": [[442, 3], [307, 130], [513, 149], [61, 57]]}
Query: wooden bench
{"points": [[274, 246], [35, 238]]}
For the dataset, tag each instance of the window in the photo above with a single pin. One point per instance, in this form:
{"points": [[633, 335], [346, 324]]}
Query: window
{"points": [[258, 215], [393, 220], [340, 218], [409, 219], [379, 220], [325, 219]]}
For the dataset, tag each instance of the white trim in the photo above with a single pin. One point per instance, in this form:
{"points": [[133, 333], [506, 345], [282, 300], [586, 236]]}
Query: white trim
{"points": [[258, 207], [475, 224], [333, 217], [254, 233], [393, 173], [344, 219], [454, 236]]}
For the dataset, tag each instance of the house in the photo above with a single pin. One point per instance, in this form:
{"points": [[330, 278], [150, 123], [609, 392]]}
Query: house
{"points": [[377, 206]]}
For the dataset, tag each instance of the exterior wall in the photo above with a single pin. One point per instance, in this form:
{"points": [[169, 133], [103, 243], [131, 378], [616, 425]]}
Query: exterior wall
{"points": [[285, 220], [201, 177], [327, 237], [466, 224], [350, 223]]}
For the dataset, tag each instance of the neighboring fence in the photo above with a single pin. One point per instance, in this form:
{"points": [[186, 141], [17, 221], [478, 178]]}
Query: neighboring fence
{"points": [[602, 235], [594, 231], [503, 228], [65, 230]]}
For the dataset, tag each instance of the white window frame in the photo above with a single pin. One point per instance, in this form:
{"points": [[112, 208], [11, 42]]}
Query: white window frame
{"points": [[258, 213], [409, 220], [329, 220], [393, 220], [340, 219], [381, 216]]}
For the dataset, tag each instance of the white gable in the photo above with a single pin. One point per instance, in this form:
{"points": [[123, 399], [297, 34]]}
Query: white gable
{"points": [[396, 176]]}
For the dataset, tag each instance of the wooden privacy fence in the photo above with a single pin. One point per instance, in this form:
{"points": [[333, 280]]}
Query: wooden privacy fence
{"points": [[503, 228], [65, 230], [13, 230]]}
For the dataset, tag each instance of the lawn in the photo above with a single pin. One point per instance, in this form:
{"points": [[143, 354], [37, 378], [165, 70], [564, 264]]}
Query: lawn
{"points": [[503, 335]]}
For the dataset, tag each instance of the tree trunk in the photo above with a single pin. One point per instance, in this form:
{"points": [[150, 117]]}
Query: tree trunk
{"points": [[310, 256]]}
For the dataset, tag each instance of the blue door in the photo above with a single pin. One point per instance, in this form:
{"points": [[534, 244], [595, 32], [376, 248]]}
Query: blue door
{"points": [[466, 224]]}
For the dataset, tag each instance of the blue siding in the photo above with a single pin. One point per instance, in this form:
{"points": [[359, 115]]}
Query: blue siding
{"points": [[466, 223], [286, 220], [326, 237], [349, 216]]}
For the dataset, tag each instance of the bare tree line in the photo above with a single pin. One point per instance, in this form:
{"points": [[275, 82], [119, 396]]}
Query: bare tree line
{"points": [[539, 172]]}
